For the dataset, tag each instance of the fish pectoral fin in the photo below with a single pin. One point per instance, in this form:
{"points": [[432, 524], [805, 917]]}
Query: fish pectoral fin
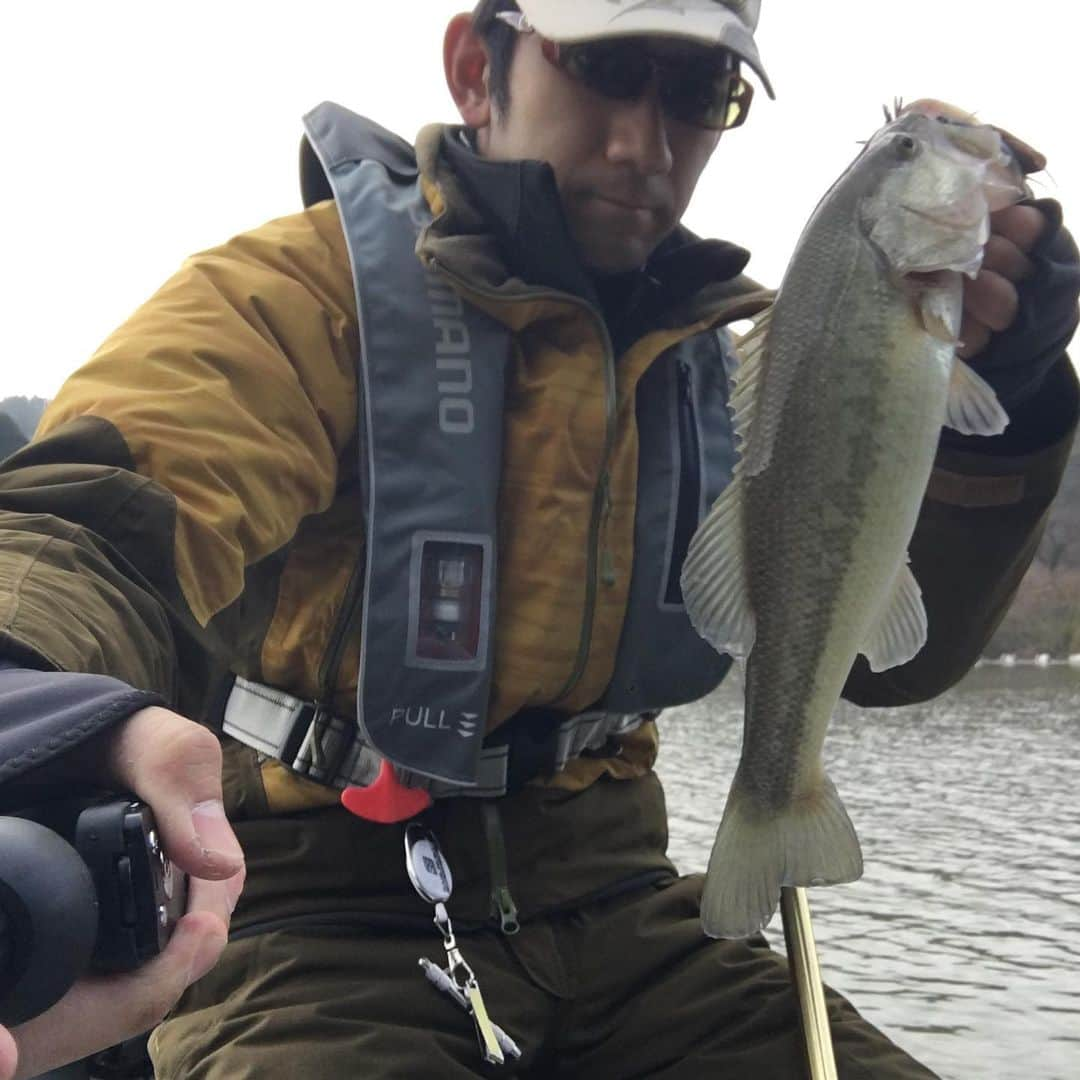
{"points": [[940, 314], [714, 577], [756, 852], [901, 631], [973, 407]]}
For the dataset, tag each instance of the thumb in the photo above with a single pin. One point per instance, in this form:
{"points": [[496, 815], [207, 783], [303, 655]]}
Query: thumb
{"points": [[9, 1056], [174, 765]]}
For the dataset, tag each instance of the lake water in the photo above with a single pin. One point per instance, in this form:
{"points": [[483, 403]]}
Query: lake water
{"points": [[962, 939]]}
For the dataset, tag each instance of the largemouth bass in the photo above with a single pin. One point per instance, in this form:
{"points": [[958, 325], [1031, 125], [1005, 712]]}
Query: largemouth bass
{"points": [[838, 406]]}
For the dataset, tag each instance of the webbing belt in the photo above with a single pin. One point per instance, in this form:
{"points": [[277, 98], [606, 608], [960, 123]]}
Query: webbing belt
{"points": [[329, 749]]}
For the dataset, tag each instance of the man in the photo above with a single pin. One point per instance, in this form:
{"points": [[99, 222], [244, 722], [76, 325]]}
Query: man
{"points": [[541, 369]]}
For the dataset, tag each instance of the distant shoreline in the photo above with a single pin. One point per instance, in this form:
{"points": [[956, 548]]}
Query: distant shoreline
{"points": [[1038, 659]]}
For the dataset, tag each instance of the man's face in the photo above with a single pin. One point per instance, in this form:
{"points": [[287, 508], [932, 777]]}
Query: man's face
{"points": [[625, 170]]}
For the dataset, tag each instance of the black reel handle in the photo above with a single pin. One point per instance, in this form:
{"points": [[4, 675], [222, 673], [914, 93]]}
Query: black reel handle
{"points": [[48, 918]]}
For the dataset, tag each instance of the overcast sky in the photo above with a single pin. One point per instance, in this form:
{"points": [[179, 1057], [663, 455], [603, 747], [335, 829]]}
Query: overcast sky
{"points": [[137, 132]]}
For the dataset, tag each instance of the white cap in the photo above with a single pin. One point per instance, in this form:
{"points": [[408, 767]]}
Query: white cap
{"points": [[726, 23]]}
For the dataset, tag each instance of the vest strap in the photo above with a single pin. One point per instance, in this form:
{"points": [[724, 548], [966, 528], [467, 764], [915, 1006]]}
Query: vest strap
{"points": [[329, 749]]}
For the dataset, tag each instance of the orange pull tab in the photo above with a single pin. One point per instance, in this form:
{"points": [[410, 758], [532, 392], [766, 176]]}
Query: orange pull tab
{"points": [[385, 800]]}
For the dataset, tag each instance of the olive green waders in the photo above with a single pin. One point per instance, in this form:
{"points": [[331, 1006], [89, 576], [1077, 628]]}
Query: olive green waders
{"points": [[322, 978]]}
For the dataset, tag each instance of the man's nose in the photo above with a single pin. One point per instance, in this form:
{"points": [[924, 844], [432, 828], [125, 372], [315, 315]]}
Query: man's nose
{"points": [[638, 133]]}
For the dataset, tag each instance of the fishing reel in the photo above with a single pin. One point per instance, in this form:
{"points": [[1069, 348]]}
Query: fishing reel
{"points": [[81, 888]]}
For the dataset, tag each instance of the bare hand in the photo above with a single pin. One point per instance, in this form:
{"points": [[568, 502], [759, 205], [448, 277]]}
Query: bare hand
{"points": [[173, 765], [8, 1054]]}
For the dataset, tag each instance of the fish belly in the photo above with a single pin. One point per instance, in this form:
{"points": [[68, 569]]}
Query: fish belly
{"points": [[828, 523]]}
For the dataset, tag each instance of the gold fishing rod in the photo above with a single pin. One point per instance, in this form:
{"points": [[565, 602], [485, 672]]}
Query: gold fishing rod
{"points": [[802, 956]]}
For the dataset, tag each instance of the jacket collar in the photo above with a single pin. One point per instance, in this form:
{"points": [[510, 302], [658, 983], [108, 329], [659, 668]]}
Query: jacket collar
{"points": [[500, 225]]}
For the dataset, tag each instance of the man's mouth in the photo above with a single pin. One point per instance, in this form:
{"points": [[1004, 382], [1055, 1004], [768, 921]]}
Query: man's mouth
{"points": [[629, 205]]}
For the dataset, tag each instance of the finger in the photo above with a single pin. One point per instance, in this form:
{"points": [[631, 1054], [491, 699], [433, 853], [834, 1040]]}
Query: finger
{"points": [[9, 1055], [175, 766], [1005, 258], [103, 1010], [1031, 160], [1023, 225], [218, 898], [974, 337], [992, 300]]}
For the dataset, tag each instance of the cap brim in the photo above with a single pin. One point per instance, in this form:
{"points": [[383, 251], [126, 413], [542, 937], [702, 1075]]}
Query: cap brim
{"points": [[703, 21]]}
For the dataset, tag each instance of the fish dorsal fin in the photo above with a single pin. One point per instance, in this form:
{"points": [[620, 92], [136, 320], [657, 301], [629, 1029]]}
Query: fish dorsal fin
{"points": [[714, 574], [901, 631], [973, 407], [746, 400]]}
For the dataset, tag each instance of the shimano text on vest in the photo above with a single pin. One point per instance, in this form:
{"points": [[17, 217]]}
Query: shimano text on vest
{"points": [[453, 361]]}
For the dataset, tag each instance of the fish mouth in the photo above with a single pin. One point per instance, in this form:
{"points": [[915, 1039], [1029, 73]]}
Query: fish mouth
{"points": [[946, 218], [929, 279]]}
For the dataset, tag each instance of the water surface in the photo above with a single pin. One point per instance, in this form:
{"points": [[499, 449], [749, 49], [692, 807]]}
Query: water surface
{"points": [[962, 939]]}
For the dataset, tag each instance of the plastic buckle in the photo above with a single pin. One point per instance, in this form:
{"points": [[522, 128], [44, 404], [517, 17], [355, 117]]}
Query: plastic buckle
{"points": [[317, 746], [386, 799]]}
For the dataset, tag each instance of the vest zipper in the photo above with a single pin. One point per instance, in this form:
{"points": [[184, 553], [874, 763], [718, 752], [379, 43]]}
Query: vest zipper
{"points": [[690, 479], [331, 662], [607, 558], [601, 495], [600, 508]]}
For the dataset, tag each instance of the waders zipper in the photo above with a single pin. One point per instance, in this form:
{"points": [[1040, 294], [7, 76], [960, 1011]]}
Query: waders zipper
{"points": [[502, 903]]}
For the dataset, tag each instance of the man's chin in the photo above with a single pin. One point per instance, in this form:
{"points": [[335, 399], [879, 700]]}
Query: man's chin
{"points": [[607, 259], [614, 239]]}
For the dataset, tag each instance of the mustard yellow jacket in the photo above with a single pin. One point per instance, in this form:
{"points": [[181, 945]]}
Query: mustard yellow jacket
{"points": [[190, 506]]}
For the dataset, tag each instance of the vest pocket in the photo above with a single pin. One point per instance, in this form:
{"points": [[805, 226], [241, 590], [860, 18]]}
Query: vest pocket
{"points": [[687, 479]]}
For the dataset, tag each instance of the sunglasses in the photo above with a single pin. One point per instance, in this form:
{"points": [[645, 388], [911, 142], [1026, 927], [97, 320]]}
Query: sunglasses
{"points": [[700, 88]]}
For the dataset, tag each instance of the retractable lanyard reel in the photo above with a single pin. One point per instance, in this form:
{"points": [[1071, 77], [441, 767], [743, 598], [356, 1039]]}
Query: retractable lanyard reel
{"points": [[430, 874]]}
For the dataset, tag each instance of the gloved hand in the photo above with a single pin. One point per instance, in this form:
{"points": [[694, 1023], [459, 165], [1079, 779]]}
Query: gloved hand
{"points": [[1021, 310]]}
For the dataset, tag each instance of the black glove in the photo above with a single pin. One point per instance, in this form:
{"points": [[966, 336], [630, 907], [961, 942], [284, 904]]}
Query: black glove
{"points": [[1026, 364]]}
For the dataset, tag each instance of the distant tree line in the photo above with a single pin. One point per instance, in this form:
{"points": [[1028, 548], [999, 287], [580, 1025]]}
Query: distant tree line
{"points": [[11, 436], [24, 411]]}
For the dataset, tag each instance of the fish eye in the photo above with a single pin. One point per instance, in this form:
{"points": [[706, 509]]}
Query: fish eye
{"points": [[905, 146]]}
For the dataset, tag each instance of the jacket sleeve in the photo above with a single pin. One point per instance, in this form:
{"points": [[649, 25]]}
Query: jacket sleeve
{"points": [[989, 498], [44, 714], [171, 472]]}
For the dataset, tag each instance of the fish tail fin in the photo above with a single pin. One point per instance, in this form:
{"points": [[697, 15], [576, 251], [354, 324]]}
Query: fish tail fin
{"points": [[810, 842]]}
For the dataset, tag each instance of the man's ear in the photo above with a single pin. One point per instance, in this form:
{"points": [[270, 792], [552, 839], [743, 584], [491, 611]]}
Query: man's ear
{"points": [[465, 61]]}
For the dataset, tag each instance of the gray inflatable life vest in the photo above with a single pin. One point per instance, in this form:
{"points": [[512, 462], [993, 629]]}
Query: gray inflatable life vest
{"points": [[431, 385]]}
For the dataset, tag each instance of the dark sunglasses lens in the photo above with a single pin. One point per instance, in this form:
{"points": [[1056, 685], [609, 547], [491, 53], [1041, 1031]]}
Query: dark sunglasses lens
{"points": [[699, 92], [615, 69], [706, 95], [697, 98]]}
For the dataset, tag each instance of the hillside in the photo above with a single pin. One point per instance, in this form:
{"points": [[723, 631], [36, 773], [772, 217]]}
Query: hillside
{"points": [[1045, 617], [26, 412], [11, 437]]}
